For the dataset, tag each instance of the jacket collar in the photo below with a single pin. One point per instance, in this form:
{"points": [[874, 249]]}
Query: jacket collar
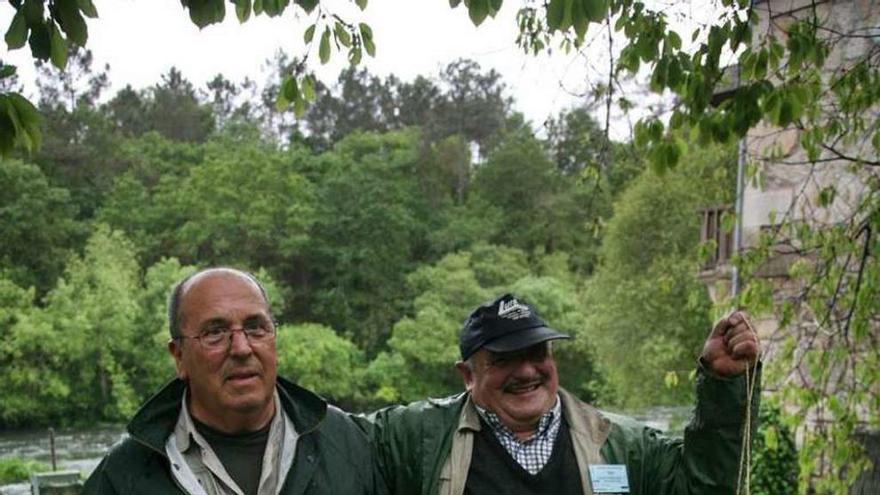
{"points": [[156, 419], [584, 419]]}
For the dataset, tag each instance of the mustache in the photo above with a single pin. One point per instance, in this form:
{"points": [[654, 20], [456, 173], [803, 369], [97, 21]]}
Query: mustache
{"points": [[520, 382], [242, 369]]}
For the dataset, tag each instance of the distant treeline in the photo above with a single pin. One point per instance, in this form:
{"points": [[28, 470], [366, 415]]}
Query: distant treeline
{"points": [[377, 220]]}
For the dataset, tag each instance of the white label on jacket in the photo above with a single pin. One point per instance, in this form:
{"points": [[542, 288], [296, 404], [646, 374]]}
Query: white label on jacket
{"points": [[609, 478]]}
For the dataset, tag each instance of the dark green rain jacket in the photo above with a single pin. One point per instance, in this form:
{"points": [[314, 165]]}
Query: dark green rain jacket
{"points": [[332, 454], [417, 451]]}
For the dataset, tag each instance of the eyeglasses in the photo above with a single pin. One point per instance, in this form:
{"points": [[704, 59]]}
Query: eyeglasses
{"points": [[534, 354], [217, 337]]}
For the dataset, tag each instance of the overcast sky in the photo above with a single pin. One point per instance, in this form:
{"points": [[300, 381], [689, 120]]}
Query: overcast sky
{"points": [[141, 39]]}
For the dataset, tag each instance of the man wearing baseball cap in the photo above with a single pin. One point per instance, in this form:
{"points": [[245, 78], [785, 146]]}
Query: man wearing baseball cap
{"points": [[515, 431]]}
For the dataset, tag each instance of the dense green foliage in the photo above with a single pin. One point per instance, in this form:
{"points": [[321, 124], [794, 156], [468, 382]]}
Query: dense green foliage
{"points": [[774, 458], [644, 299], [15, 470], [374, 244]]}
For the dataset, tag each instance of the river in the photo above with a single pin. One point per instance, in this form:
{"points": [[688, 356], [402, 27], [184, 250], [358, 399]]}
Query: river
{"points": [[79, 449], [82, 449]]}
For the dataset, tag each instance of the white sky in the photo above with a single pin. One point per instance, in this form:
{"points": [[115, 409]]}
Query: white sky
{"points": [[141, 39]]}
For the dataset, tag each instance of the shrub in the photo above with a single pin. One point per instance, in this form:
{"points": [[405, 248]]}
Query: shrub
{"points": [[774, 458], [14, 469]]}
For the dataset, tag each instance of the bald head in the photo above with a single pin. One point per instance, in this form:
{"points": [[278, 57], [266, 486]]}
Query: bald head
{"points": [[175, 302]]}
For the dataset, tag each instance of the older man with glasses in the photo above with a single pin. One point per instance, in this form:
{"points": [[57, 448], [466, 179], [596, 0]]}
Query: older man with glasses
{"points": [[228, 424]]}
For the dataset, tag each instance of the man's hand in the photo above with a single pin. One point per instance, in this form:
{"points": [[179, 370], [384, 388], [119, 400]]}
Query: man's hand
{"points": [[731, 346]]}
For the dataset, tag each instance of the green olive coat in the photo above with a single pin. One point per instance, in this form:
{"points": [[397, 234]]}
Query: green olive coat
{"points": [[332, 454], [425, 448]]}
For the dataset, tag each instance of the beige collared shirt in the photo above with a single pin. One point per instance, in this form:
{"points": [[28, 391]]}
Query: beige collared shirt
{"points": [[198, 470]]}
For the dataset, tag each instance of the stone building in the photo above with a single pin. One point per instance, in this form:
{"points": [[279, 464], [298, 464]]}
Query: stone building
{"points": [[786, 187]]}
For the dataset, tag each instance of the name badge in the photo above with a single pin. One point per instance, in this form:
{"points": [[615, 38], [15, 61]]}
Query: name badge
{"points": [[609, 478]]}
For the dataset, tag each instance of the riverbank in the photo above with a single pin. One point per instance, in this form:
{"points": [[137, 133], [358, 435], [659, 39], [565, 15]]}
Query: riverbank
{"points": [[75, 449]]}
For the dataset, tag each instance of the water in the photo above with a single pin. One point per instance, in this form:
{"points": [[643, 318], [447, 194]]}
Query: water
{"points": [[80, 449], [671, 420]]}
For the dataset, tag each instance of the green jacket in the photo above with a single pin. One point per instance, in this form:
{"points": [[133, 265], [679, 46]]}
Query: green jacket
{"points": [[424, 448], [332, 453]]}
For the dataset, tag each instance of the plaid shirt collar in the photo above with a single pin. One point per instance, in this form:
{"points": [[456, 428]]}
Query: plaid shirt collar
{"points": [[534, 452]]}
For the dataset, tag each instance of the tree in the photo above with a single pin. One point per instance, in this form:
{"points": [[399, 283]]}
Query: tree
{"points": [[78, 141], [370, 231], [244, 204], [423, 345], [315, 357], [39, 226], [577, 142], [73, 358], [543, 210], [175, 110], [473, 104], [644, 298], [363, 102]]}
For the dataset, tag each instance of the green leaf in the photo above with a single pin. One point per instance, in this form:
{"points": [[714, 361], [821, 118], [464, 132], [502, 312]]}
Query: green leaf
{"points": [[367, 39], [567, 15], [7, 71], [673, 40], [324, 48], [827, 195], [24, 119], [58, 47], [8, 133], [258, 7], [596, 10], [16, 35], [361, 3], [290, 89], [272, 7], [495, 6], [308, 5], [370, 47], [771, 438], [579, 19], [242, 10], [341, 35], [88, 8], [555, 13], [308, 87], [454, 3], [478, 10], [201, 12], [309, 34], [39, 42], [299, 106], [366, 31], [354, 56], [33, 12], [72, 22]]}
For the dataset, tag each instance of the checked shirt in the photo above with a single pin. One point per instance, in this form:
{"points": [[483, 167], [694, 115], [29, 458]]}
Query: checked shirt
{"points": [[533, 453]]}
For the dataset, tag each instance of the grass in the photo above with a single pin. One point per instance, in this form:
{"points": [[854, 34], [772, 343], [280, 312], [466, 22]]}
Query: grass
{"points": [[14, 469]]}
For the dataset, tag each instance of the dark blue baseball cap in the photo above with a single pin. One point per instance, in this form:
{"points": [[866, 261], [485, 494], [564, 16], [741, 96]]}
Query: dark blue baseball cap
{"points": [[505, 324]]}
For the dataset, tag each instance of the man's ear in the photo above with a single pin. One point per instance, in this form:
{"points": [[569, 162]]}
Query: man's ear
{"points": [[466, 372], [175, 348]]}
